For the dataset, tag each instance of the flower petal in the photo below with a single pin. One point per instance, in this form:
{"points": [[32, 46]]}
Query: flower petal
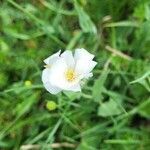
{"points": [[74, 88], [88, 75], [84, 67], [57, 73], [46, 83], [67, 55], [83, 54], [51, 59], [52, 89]]}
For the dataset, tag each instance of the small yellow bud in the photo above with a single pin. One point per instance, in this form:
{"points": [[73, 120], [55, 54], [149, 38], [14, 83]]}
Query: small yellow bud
{"points": [[51, 105], [28, 83]]}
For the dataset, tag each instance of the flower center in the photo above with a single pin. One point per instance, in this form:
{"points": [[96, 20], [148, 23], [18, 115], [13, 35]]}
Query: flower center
{"points": [[70, 75]]}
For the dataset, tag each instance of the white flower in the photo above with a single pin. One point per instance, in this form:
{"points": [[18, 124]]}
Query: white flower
{"points": [[65, 71]]}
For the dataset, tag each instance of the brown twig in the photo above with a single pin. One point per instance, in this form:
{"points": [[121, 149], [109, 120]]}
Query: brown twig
{"points": [[54, 145], [118, 53]]}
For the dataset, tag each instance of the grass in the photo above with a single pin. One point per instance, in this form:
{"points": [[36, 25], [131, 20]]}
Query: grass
{"points": [[112, 111]]}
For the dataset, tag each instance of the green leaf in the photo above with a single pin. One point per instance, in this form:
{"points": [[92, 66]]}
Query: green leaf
{"points": [[84, 20], [99, 86], [145, 111], [72, 95], [89, 143], [143, 32], [142, 11], [26, 104], [144, 80], [110, 108]]}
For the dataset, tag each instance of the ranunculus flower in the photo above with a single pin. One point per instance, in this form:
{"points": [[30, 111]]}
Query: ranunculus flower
{"points": [[65, 71]]}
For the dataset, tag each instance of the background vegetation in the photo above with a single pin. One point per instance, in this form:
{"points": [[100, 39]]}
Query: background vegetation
{"points": [[113, 110]]}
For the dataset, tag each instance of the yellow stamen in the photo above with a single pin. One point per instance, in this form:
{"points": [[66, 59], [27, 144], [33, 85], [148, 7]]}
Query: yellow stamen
{"points": [[70, 75]]}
